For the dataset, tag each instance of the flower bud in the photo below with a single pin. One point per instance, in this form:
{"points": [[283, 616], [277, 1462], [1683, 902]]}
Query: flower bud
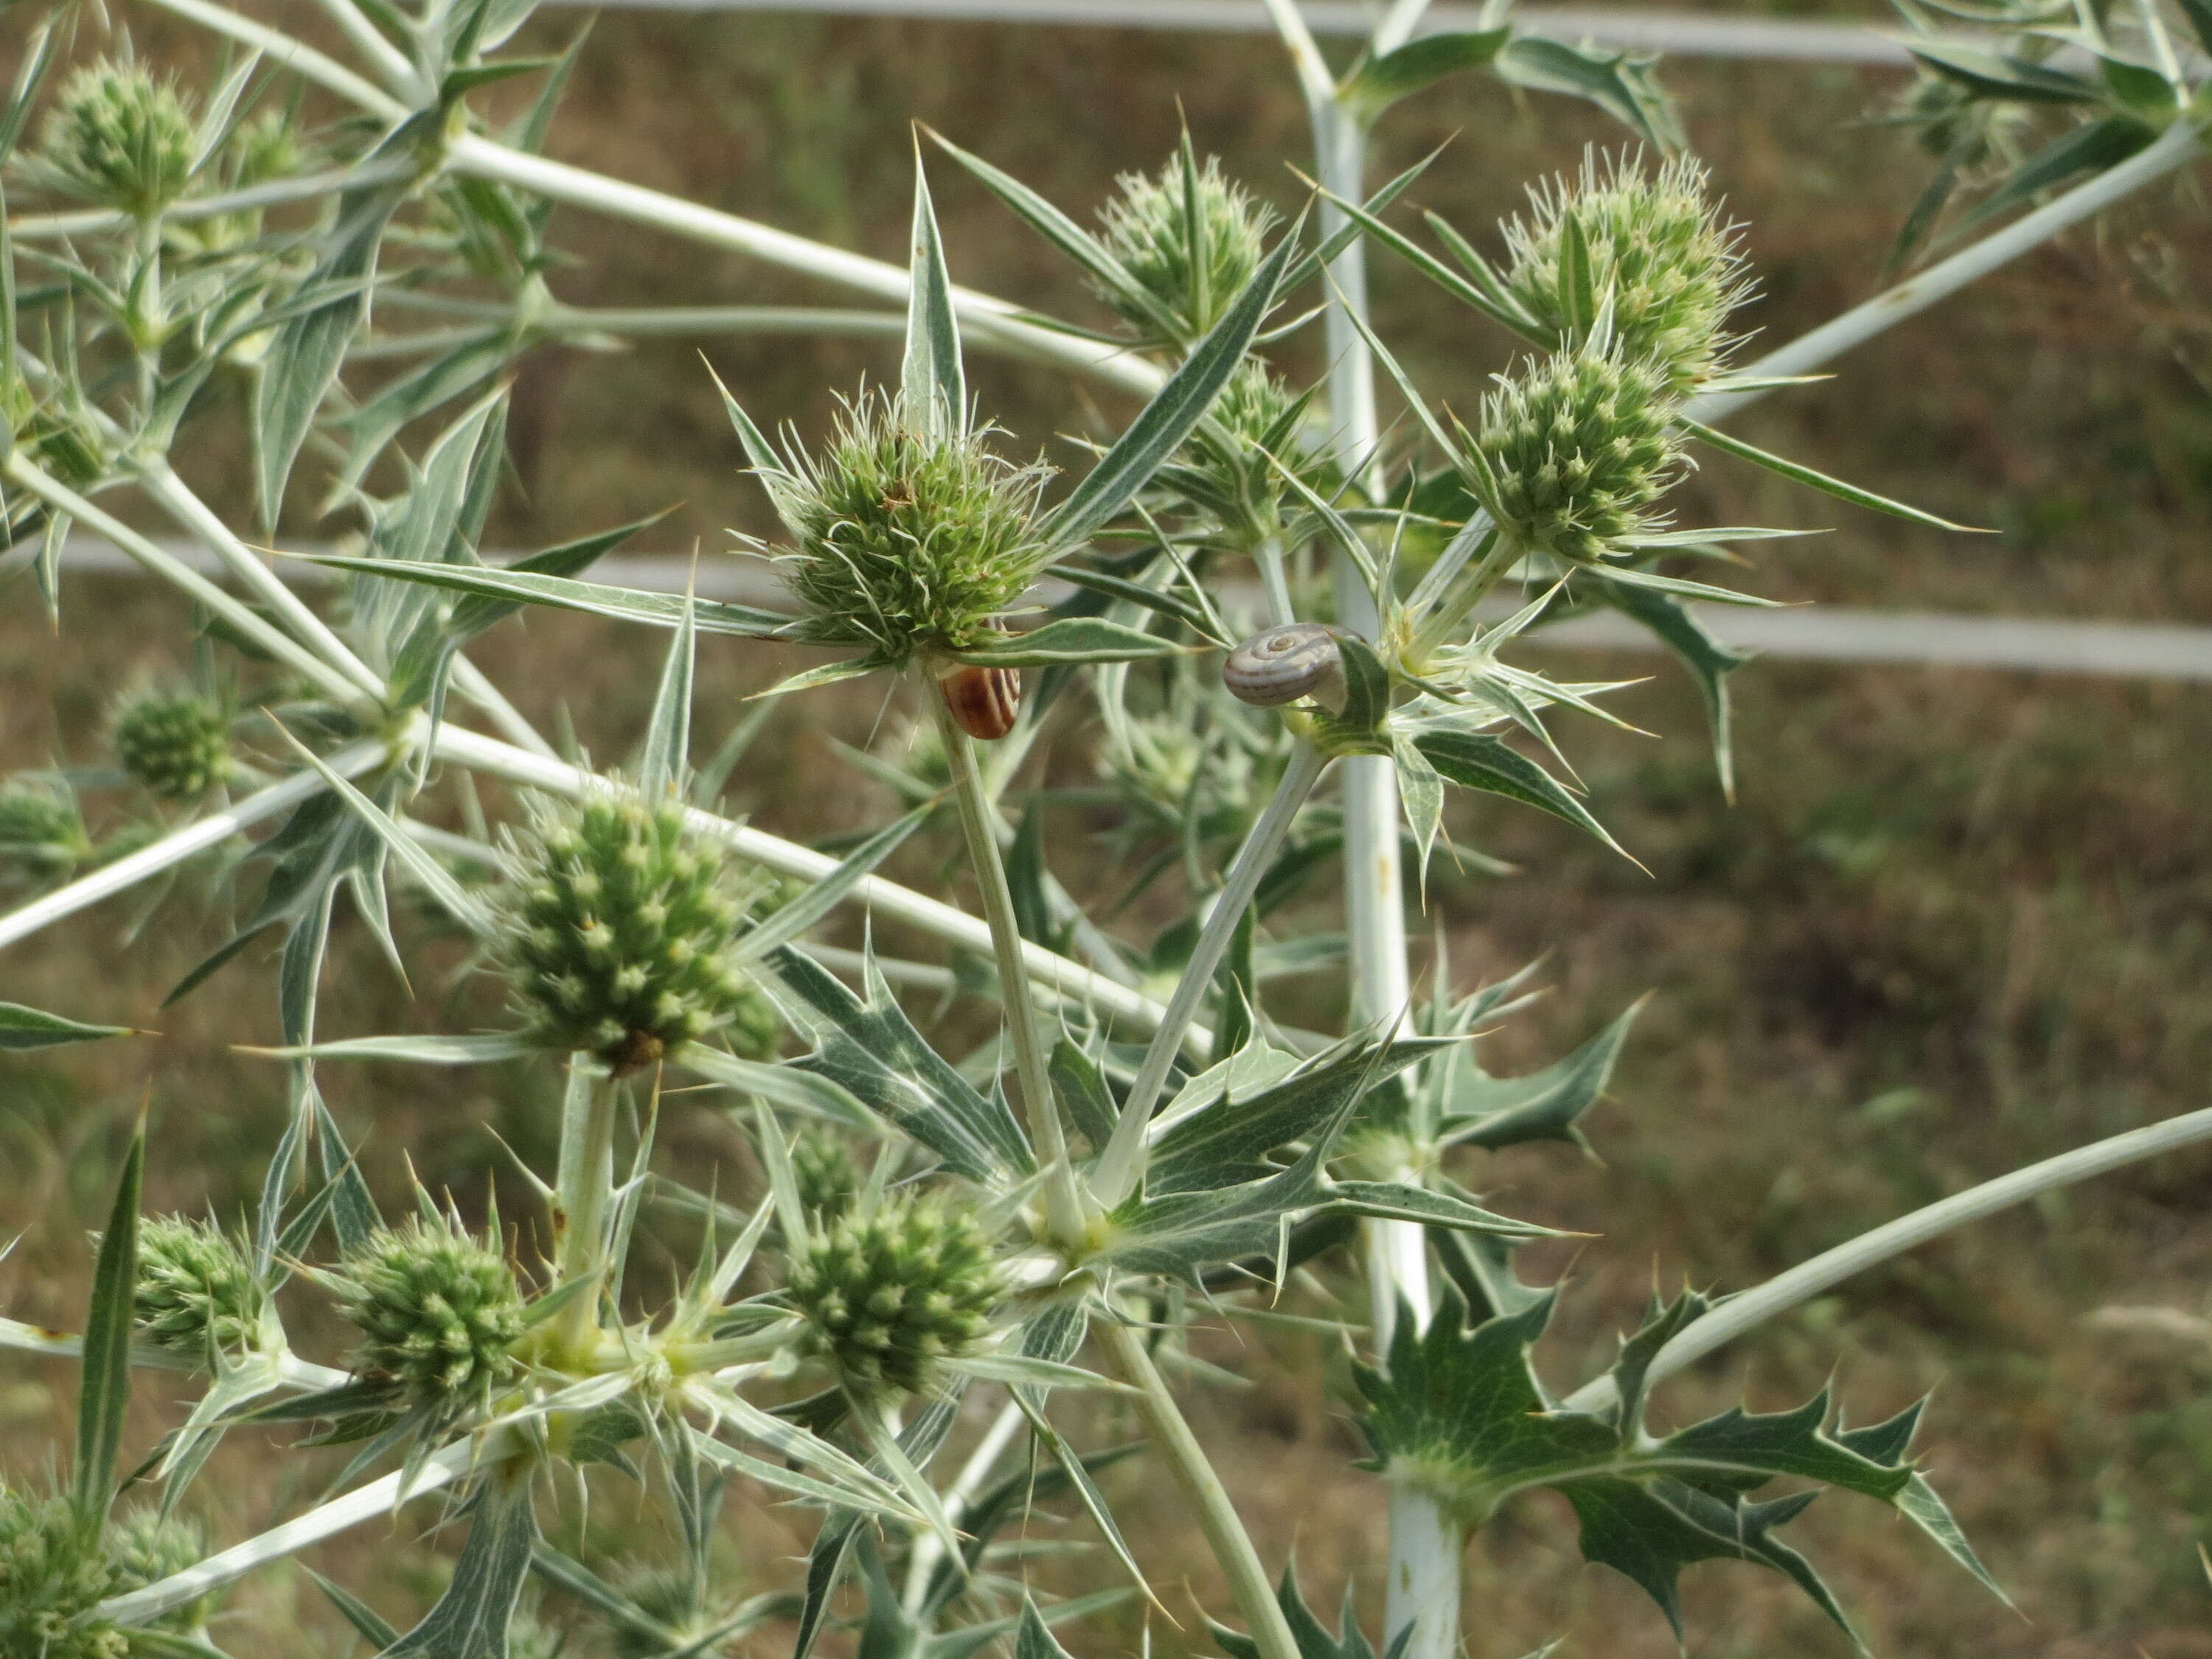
{"points": [[828, 1177], [438, 1311], [51, 1576], [196, 1294], [890, 1294], [619, 935], [145, 1546], [1575, 450], [42, 831], [118, 138], [176, 745], [909, 542], [1231, 466], [1672, 266], [1192, 251]]}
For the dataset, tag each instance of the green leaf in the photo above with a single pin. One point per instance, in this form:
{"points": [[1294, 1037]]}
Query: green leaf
{"points": [[1708, 661], [430, 1049], [932, 384], [1362, 726], [22, 1029], [1395, 1200], [518, 585], [1072, 640], [472, 1618], [1820, 481], [1994, 76], [302, 363], [1621, 84], [1193, 615], [1080, 1086], [367, 1623], [1175, 411], [788, 922], [1495, 1113], [2089, 148], [1486, 761], [1035, 1640], [103, 1398], [668, 728], [2199, 14], [1420, 64], [1312, 1637]]}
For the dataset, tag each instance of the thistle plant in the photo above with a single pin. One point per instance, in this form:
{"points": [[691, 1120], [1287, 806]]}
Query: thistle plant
{"points": [[997, 1177]]}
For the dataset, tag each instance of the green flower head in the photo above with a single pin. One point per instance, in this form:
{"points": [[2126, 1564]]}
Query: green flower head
{"points": [[891, 1294], [438, 1310], [50, 1576], [196, 1294], [1191, 239], [1230, 468], [145, 1546], [909, 541], [1574, 452], [828, 1177], [120, 138], [1658, 247], [619, 936], [42, 831], [176, 745]]}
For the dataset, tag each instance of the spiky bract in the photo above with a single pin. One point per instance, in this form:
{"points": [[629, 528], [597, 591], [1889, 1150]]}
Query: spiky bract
{"points": [[890, 1294], [1658, 247], [1191, 239], [176, 745], [41, 830], [909, 542], [438, 1310], [619, 935], [118, 137], [1575, 450], [196, 1294]]}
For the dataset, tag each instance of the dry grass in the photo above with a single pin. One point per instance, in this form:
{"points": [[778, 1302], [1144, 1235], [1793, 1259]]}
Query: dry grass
{"points": [[1957, 921]]}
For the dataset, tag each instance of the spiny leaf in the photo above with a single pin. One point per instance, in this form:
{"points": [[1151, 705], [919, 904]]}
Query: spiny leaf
{"points": [[104, 1390], [22, 1029]]}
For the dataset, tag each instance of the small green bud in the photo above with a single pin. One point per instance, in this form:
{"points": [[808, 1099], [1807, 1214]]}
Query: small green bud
{"points": [[265, 147], [1575, 450], [176, 745], [438, 1312], [1658, 246], [145, 1546], [42, 831], [196, 1294], [50, 1577], [618, 937], [910, 542], [1231, 467], [1191, 239], [118, 138], [890, 1294], [828, 1177]]}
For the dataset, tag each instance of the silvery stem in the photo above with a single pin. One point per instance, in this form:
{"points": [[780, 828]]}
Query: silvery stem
{"points": [[84, 222], [928, 1548], [1808, 1278], [1118, 1167], [583, 1193]]}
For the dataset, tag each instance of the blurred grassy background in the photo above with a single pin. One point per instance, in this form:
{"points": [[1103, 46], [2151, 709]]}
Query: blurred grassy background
{"points": [[1956, 920]]}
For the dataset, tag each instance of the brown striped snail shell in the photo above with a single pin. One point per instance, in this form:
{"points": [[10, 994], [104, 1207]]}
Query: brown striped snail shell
{"points": [[985, 701], [1282, 665]]}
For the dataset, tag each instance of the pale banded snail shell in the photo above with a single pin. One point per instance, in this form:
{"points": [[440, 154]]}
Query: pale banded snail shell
{"points": [[985, 701], [1281, 664]]}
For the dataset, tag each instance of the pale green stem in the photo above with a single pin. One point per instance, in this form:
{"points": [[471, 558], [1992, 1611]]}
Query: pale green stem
{"points": [[583, 1194], [646, 322], [1120, 1164], [928, 1548], [20, 467], [1275, 582], [1448, 618], [307, 187], [1063, 1203], [1171, 1436]]}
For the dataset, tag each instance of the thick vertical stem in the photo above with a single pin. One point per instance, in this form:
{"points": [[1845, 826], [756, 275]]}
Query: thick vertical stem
{"points": [[583, 1193], [1202, 1490], [1064, 1210]]}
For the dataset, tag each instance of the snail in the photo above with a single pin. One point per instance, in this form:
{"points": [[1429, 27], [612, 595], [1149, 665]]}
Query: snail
{"points": [[1282, 665], [985, 701]]}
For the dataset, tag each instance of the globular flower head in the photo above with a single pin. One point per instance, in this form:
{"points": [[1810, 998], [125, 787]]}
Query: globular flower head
{"points": [[438, 1310], [196, 1294], [1575, 450], [1658, 246], [909, 540], [145, 1546], [1231, 466], [41, 830], [118, 137], [828, 1178], [265, 146], [50, 1576], [619, 935], [1191, 239], [175, 743], [890, 1295]]}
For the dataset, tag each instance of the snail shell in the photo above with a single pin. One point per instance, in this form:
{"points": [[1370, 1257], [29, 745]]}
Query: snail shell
{"points": [[985, 701], [1282, 665]]}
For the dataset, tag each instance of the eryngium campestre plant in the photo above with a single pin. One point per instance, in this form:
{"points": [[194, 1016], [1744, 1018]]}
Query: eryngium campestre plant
{"points": [[196, 1294], [891, 1293], [1659, 249], [1575, 450], [50, 1574], [1191, 249], [41, 830], [619, 935], [176, 745], [118, 138], [438, 1310], [910, 541]]}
